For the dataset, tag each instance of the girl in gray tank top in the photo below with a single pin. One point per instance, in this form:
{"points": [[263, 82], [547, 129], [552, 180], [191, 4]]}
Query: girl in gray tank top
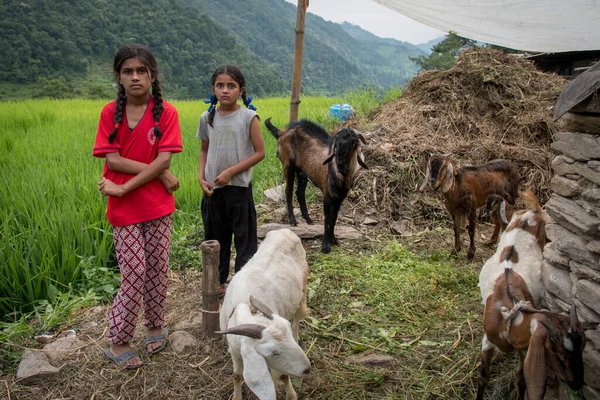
{"points": [[231, 144]]}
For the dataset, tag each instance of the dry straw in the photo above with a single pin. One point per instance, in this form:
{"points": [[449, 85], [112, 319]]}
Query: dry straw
{"points": [[489, 105]]}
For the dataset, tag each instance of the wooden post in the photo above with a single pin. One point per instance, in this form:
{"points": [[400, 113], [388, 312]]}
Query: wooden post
{"points": [[210, 287], [298, 53]]}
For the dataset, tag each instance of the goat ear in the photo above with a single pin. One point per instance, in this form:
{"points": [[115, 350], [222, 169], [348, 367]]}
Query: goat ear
{"points": [[427, 177], [534, 366], [262, 307], [253, 331], [256, 372], [328, 159], [448, 179]]}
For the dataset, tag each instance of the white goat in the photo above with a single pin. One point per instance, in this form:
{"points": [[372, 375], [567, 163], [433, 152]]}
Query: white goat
{"points": [[511, 289], [262, 341]]}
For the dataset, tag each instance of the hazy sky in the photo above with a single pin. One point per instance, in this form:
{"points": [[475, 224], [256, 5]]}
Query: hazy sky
{"points": [[374, 18]]}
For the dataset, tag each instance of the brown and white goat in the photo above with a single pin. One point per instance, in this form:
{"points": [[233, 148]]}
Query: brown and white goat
{"points": [[512, 289], [308, 152], [467, 189]]}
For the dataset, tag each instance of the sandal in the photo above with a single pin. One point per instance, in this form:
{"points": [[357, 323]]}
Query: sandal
{"points": [[157, 338], [122, 359]]}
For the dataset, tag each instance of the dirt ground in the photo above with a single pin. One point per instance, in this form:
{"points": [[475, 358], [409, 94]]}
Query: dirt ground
{"points": [[204, 372]]}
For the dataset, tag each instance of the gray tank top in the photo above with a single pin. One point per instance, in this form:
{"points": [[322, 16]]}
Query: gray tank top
{"points": [[229, 143]]}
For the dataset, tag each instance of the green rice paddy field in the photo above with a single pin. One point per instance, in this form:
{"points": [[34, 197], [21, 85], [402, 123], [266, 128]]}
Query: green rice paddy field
{"points": [[54, 236]]}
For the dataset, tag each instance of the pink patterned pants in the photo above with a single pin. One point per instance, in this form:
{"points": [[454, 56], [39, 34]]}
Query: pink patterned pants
{"points": [[143, 257]]}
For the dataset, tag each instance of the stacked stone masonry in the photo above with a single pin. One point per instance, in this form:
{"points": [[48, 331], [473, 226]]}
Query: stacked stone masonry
{"points": [[571, 269]]}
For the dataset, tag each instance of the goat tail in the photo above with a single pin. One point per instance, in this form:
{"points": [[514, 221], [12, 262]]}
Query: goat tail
{"points": [[530, 200], [273, 129], [507, 257]]}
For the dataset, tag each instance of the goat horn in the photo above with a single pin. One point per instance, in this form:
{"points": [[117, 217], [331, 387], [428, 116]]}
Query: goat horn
{"points": [[503, 212], [360, 161], [427, 178], [362, 138], [262, 307], [253, 331]]}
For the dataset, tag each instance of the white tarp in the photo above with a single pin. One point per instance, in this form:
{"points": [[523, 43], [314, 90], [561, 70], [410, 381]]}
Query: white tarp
{"points": [[529, 25]]}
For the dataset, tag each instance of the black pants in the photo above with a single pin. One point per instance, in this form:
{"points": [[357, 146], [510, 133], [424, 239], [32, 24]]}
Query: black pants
{"points": [[230, 211]]}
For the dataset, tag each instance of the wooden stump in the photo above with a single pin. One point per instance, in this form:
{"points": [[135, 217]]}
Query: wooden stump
{"points": [[210, 287]]}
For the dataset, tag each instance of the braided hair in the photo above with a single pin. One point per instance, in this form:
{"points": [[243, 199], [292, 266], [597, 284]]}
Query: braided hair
{"points": [[237, 75], [146, 56]]}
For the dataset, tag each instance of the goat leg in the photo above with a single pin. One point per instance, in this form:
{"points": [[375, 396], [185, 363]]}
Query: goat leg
{"points": [[520, 379], [301, 195], [457, 221], [290, 393], [487, 353], [498, 224], [330, 209], [289, 191], [238, 371], [472, 218]]}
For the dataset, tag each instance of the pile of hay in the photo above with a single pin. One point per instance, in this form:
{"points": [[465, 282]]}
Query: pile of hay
{"points": [[489, 105]]}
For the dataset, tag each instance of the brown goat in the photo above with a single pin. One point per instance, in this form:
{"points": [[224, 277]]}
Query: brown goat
{"points": [[467, 189], [512, 289], [308, 152]]}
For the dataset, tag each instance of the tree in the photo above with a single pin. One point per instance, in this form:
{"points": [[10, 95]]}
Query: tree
{"points": [[443, 55]]}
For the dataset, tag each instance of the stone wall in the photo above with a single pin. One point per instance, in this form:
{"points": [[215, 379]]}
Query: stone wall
{"points": [[571, 270]]}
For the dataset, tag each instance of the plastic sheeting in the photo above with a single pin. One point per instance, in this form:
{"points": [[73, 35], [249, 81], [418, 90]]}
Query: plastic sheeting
{"points": [[528, 25]]}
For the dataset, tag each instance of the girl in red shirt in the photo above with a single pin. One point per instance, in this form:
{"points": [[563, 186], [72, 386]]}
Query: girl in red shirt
{"points": [[136, 135]]}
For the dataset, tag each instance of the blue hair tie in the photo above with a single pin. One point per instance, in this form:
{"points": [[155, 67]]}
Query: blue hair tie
{"points": [[212, 100], [248, 105]]}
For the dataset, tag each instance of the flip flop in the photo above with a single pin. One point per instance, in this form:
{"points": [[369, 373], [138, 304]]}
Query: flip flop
{"points": [[157, 338], [122, 359]]}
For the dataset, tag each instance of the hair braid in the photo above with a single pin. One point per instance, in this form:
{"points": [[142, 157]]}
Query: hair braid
{"points": [[120, 107], [213, 110], [157, 109]]}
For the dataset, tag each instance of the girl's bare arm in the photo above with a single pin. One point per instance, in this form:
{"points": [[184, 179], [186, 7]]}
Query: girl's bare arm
{"points": [[206, 186]]}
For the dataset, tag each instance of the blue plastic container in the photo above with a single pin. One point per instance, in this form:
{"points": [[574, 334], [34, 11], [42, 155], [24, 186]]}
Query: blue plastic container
{"points": [[343, 112]]}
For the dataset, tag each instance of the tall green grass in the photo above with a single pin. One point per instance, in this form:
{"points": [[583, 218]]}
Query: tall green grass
{"points": [[54, 237]]}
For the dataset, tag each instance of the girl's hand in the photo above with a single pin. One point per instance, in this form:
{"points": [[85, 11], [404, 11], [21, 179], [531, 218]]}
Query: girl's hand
{"points": [[107, 187], [224, 178], [169, 180], [207, 188]]}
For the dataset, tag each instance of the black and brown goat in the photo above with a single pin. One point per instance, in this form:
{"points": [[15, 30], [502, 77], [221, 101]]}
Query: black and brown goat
{"points": [[308, 152], [512, 289], [467, 189]]}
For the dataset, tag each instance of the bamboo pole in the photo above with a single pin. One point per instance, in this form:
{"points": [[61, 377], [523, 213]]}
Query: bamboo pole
{"points": [[298, 54], [210, 287]]}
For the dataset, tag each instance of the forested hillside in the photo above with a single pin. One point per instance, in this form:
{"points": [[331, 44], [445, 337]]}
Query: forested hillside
{"points": [[336, 57], [66, 38], [64, 41]]}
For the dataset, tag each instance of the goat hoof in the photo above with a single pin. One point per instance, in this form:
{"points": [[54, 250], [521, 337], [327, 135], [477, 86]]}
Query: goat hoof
{"points": [[470, 255], [326, 249]]}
